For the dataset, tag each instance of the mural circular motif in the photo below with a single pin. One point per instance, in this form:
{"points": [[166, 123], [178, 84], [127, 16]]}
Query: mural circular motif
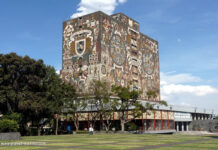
{"points": [[150, 84], [148, 62], [117, 50]]}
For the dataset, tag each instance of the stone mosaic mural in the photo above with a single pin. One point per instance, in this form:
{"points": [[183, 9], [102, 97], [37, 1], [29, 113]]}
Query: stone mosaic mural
{"points": [[98, 46]]}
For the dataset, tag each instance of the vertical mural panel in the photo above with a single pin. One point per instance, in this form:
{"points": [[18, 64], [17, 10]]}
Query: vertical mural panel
{"points": [[81, 50]]}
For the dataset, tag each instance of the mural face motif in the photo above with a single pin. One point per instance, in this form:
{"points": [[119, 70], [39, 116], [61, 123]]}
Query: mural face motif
{"points": [[117, 50], [80, 47], [148, 62], [81, 42]]}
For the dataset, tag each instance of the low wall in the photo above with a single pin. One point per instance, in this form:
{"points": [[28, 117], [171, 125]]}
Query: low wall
{"points": [[204, 125], [10, 136]]}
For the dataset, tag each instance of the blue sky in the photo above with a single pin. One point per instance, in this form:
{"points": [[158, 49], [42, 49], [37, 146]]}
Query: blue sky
{"points": [[187, 32]]}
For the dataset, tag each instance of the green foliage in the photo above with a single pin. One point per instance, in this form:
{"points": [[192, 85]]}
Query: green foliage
{"points": [[163, 103], [14, 116], [82, 132], [152, 94], [7, 125], [54, 90], [29, 87], [100, 100], [131, 126], [73, 103], [127, 101]]}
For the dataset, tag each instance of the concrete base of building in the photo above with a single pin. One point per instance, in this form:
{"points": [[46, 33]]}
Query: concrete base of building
{"points": [[204, 125], [160, 132], [10, 136]]}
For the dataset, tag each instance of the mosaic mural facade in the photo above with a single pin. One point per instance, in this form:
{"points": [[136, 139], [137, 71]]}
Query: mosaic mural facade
{"points": [[98, 46]]}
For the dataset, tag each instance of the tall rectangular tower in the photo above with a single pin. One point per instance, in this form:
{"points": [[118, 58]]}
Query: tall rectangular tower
{"points": [[111, 48]]}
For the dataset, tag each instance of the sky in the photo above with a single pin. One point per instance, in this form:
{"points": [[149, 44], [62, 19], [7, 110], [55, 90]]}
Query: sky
{"points": [[187, 32]]}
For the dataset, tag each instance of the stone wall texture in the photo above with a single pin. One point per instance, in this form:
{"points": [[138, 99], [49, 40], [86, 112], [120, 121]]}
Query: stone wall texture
{"points": [[10, 136], [204, 125], [111, 48]]}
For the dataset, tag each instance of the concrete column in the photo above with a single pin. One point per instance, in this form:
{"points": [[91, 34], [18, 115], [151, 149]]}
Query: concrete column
{"points": [[182, 126], [177, 126], [202, 117], [187, 126], [195, 116]]}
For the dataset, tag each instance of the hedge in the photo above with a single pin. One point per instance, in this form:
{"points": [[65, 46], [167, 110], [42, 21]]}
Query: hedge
{"points": [[7, 125]]}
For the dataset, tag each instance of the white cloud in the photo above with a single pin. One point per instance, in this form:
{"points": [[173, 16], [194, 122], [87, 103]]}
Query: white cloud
{"points": [[89, 6], [170, 78], [195, 90], [177, 89], [121, 1], [58, 72]]}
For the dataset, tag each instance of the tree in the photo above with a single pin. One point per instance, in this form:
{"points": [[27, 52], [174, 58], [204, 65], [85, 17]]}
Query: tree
{"points": [[12, 68], [100, 102], [34, 102], [152, 94], [127, 104], [73, 104], [53, 87], [28, 87], [21, 86]]}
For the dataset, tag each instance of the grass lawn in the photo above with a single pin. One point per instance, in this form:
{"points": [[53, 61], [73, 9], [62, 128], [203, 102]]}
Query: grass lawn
{"points": [[116, 141]]}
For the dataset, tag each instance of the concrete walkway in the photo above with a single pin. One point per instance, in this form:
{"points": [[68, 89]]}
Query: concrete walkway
{"points": [[169, 145]]}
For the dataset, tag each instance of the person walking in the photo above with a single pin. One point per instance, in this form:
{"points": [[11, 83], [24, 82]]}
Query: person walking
{"points": [[69, 129], [91, 130]]}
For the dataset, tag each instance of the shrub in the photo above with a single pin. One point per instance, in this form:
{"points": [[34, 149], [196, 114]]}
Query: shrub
{"points": [[131, 126], [82, 132], [7, 125], [14, 116]]}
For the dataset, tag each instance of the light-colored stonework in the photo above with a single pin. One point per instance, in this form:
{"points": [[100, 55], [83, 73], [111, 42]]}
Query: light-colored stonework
{"points": [[98, 46]]}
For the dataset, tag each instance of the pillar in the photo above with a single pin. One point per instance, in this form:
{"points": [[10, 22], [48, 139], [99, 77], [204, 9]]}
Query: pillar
{"points": [[161, 120], [177, 126], [182, 126], [154, 122], [88, 121], [168, 123], [143, 123], [187, 126]]}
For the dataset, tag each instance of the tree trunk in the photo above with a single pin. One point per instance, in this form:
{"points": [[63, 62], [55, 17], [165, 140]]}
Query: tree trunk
{"points": [[77, 128], [38, 130], [76, 123], [122, 122], [107, 125], [56, 129]]}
